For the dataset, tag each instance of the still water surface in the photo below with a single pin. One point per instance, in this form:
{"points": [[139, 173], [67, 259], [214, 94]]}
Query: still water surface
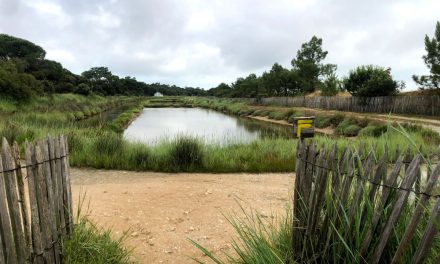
{"points": [[156, 124]]}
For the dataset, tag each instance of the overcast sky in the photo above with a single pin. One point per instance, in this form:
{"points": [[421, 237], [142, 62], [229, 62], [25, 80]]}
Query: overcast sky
{"points": [[205, 42]]}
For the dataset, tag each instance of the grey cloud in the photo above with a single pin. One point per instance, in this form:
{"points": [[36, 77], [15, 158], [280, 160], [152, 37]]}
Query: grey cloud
{"points": [[201, 43]]}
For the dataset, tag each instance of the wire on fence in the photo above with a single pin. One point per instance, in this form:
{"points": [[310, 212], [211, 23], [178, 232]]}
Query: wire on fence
{"points": [[33, 164], [358, 176]]}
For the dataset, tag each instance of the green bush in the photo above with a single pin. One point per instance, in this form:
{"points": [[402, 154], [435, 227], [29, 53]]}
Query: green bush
{"points": [[277, 115], [260, 112], [362, 122], [352, 130], [71, 117], [340, 129], [331, 86], [79, 115], [368, 81], [245, 112], [373, 130], [83, 89], [186, 153], [322, 121], [336, 119]]}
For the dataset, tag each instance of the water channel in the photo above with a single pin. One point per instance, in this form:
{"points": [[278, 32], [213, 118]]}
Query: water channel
{"points": [[157, 124]]}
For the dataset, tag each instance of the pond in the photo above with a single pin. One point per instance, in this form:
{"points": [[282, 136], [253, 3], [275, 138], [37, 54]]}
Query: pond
{"points": [[157, 124]]}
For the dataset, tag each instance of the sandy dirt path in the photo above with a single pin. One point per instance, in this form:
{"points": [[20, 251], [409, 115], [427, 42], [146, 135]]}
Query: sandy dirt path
{"points": [[162, 210]]}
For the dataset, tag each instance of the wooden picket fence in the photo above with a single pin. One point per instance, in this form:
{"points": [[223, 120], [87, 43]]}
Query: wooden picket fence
{"points": [[35, 217], [415, 105], [351, 207]]}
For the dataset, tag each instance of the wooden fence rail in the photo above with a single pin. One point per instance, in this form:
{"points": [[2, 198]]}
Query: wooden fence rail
{"points": [[358, 208], [34, 218], [415, 105]]}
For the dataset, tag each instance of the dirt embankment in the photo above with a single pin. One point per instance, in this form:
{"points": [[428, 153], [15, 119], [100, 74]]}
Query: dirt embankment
{"points": [[161, 211], [426, 122], [326, 131]]}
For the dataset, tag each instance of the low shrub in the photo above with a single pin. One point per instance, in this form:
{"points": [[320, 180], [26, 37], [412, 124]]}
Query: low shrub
{"points": [[352, 130], [79, 115], [186, 153], [373, 130], [260, 112], [245, 112], [277, 115], [322, 121], [348, 127], [71, 117], [335, 120]]}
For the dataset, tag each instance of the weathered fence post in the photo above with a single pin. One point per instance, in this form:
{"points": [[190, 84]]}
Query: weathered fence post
{"points": [[34, 237], [418, 105], [344, 201], [13, 201]]}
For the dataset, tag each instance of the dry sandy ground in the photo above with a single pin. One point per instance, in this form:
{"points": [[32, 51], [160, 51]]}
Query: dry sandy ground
{"points": [[161, 211]]}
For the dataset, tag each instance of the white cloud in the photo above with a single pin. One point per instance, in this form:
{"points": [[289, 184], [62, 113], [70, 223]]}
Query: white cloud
{"points": [[57, 54], [203, 43]]}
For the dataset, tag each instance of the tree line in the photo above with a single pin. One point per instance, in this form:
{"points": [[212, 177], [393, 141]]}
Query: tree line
{"points": [[25, 72], [309, 73]]}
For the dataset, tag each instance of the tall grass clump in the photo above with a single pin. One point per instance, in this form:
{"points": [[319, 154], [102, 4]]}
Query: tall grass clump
{"points": [[108, 143], [89, 243], [260, 240], [17, 132], [186, 153], [140, 157], [7, 105], [262, 155], [373, 130]]}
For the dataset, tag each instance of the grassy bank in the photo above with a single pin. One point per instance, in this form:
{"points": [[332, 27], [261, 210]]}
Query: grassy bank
{"points": [[193, 155], [60, 114]]}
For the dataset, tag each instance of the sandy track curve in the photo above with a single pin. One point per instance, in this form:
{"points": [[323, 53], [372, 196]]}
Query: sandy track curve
{"points": [[162, 210]]}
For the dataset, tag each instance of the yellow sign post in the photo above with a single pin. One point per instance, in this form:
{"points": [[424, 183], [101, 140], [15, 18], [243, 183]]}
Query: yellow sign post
{"points": [[304, 127]]}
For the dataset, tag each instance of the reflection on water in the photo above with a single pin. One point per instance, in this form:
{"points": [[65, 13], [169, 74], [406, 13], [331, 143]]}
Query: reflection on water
{"points": [[156, 124]]}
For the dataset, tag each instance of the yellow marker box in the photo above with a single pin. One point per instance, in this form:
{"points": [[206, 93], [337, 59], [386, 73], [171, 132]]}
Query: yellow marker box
{"points": [[304, 127]]}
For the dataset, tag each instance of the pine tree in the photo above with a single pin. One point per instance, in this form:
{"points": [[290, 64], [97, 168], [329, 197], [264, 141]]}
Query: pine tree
{"points": [[432, 61]]}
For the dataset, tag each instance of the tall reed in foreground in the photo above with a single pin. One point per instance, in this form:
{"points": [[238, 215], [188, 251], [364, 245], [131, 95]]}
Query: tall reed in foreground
{"points": [[259, 240]]}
